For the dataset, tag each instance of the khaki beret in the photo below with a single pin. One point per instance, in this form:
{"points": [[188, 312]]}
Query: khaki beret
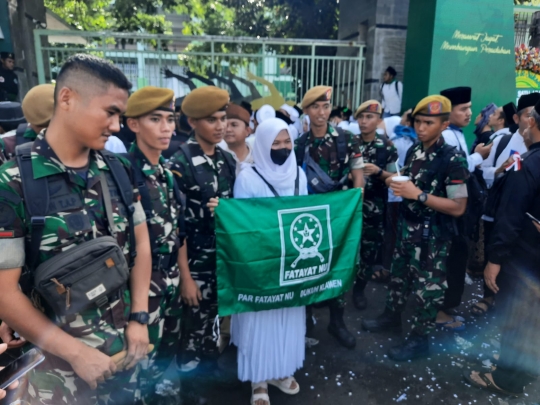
{"points": [[38, 105], [205, 101], [317, 93], [372, 106], [235, 111], [149, 99], [433, 106]]}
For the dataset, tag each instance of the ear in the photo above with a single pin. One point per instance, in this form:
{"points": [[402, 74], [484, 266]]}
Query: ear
{"points": [[516, 118], [133, 124], [192, 122], [65, 98], [445, 125]]}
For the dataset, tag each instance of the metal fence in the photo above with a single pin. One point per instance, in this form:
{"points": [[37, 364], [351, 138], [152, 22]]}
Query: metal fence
{"points": [[255, 70]]}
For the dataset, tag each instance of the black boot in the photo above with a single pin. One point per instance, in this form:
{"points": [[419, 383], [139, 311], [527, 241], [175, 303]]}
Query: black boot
{"points": [[338, 329], [387, 321], [414, 347], [359, 298]]}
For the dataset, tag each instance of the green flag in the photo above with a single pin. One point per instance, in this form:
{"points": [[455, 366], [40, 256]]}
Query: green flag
{"points": [[286, 252]]}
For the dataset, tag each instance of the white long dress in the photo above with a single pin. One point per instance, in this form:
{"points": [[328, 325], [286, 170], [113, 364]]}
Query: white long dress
{"points": [[271, 344]]}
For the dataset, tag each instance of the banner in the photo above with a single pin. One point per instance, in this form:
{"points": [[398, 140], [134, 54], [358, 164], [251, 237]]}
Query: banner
{"points": [[286, 252]]}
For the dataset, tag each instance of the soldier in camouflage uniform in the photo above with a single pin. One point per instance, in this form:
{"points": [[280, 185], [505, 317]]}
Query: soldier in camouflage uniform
{"points": [[336, 155], [151, 117], [38, 108], [203, 171], [435, 195], [380, 157], [91, 95]]}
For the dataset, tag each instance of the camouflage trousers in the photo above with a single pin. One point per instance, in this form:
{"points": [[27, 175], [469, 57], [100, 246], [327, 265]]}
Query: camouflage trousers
{"points": [[197, 341], [427, 282], [370, 247], [54, 382], [165, 309]]}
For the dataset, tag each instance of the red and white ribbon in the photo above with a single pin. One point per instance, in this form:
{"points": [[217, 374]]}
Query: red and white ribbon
{"points": [[516, 164]]}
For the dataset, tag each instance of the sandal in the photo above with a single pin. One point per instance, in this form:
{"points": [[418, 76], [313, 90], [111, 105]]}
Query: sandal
{"points": [[455, 319], [285, 385], [381, 276], [489, 385], [477, 310], [259, 397]]}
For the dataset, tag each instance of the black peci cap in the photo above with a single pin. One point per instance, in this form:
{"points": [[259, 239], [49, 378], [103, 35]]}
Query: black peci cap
{"points": [[458, 95], [528, 100]]}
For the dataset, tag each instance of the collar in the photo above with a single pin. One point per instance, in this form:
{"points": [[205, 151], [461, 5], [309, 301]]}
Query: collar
{"points": [[455, 128], [435, 147], [535, 145], [46, 163], [330, 131], [147, 168]]}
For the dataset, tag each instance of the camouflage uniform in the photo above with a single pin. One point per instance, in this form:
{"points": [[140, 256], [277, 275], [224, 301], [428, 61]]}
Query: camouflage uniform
{"points": [[164, 304], [82, 218], [374, 206], [324, 152], [425, 274], [197, 332]]}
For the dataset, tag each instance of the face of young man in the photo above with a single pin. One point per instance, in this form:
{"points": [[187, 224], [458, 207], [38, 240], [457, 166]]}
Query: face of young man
{"points": [[319, 113], [387, 77], [210, 129], [428, 128], [524, 119], [368, 122], [91, 118], [8, 63], [461, 115], [237, 132], [153, 130], [495, 119]]}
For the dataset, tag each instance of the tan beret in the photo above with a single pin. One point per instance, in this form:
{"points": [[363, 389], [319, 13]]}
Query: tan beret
{"points": [[149, 99], [317, 93], [205, 101], [433, 106], [235, 111], [38, 105], [372, 106]]}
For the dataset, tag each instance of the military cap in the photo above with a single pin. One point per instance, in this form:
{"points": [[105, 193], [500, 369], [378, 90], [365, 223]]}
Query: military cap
{"points": [[205, 101], [11, 112], [433, 106], [38, 105], [372, 106], [149, 99], [317, 93], [528, 100], [458, 95], [7, 55], [234, 111]]}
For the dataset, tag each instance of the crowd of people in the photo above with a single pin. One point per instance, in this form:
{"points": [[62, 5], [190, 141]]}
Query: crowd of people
{"points": [[111, 268]]}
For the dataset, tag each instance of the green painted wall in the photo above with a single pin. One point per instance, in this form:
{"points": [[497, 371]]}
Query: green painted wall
{"points": [[5, 44], [461, 43]]}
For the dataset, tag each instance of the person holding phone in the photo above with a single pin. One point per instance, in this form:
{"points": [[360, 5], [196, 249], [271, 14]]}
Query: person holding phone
{"points": [[3, 348]]}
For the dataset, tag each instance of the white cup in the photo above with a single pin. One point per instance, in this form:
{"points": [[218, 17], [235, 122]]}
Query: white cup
{"points": [[401, 179]]}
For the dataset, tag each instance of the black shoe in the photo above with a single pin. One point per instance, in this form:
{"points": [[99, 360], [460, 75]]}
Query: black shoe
{"points": [[359, 300], [387, 321], [414, 347], [338, 329]]}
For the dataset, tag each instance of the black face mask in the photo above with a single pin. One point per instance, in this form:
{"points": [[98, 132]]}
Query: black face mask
{"points": [[279, 156]]}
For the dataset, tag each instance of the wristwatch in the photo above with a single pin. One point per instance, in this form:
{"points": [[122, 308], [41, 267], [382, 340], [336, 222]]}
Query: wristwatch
{"points": [[142, 317], [422, 198]]}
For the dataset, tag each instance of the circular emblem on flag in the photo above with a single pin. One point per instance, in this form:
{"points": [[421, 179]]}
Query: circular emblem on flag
{"points": [[306, 237]]}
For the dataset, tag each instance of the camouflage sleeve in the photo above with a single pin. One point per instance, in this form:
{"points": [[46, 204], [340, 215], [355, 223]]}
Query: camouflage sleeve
{"points": [[178, 166], [356, 161], [456, 180], [12, 220], [392, 159]]}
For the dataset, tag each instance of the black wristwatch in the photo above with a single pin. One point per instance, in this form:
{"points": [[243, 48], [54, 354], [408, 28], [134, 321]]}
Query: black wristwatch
{"points": [[142, 317], [422, 198], [379, 172]]}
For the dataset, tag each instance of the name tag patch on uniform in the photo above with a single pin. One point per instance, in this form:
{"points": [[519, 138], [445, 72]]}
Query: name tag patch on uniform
{"points": [[7, 214], [77, 222]]}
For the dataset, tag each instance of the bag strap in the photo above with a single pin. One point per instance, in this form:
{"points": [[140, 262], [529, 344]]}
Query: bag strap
{"points": [[107, 202], [301, 148], [36, 195], [273, 190], [19, 135], [125, 189], [503, 143]]}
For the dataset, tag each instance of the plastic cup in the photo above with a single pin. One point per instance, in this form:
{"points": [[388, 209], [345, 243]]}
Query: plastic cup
{"points": [[401, 179]]}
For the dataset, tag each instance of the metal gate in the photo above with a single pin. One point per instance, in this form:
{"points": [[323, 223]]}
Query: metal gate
{"points": [[260, 71]]}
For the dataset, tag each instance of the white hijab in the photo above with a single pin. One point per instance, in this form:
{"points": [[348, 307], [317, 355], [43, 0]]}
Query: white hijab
{"points": [[278, 176], [391, 123], [265, 112]]}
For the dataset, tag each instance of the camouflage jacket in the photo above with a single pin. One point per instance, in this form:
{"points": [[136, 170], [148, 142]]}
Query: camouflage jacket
{"points": [[324, 152], [200, 225], [164, 218], [419, 168], [375, 189], [10, 142]]}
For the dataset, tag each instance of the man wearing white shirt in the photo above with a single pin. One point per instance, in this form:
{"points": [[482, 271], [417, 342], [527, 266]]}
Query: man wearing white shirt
{"points": [[391, 93]]}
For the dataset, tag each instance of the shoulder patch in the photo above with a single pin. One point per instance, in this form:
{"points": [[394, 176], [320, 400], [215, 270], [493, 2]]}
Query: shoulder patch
{"points": [[7, 214]]}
